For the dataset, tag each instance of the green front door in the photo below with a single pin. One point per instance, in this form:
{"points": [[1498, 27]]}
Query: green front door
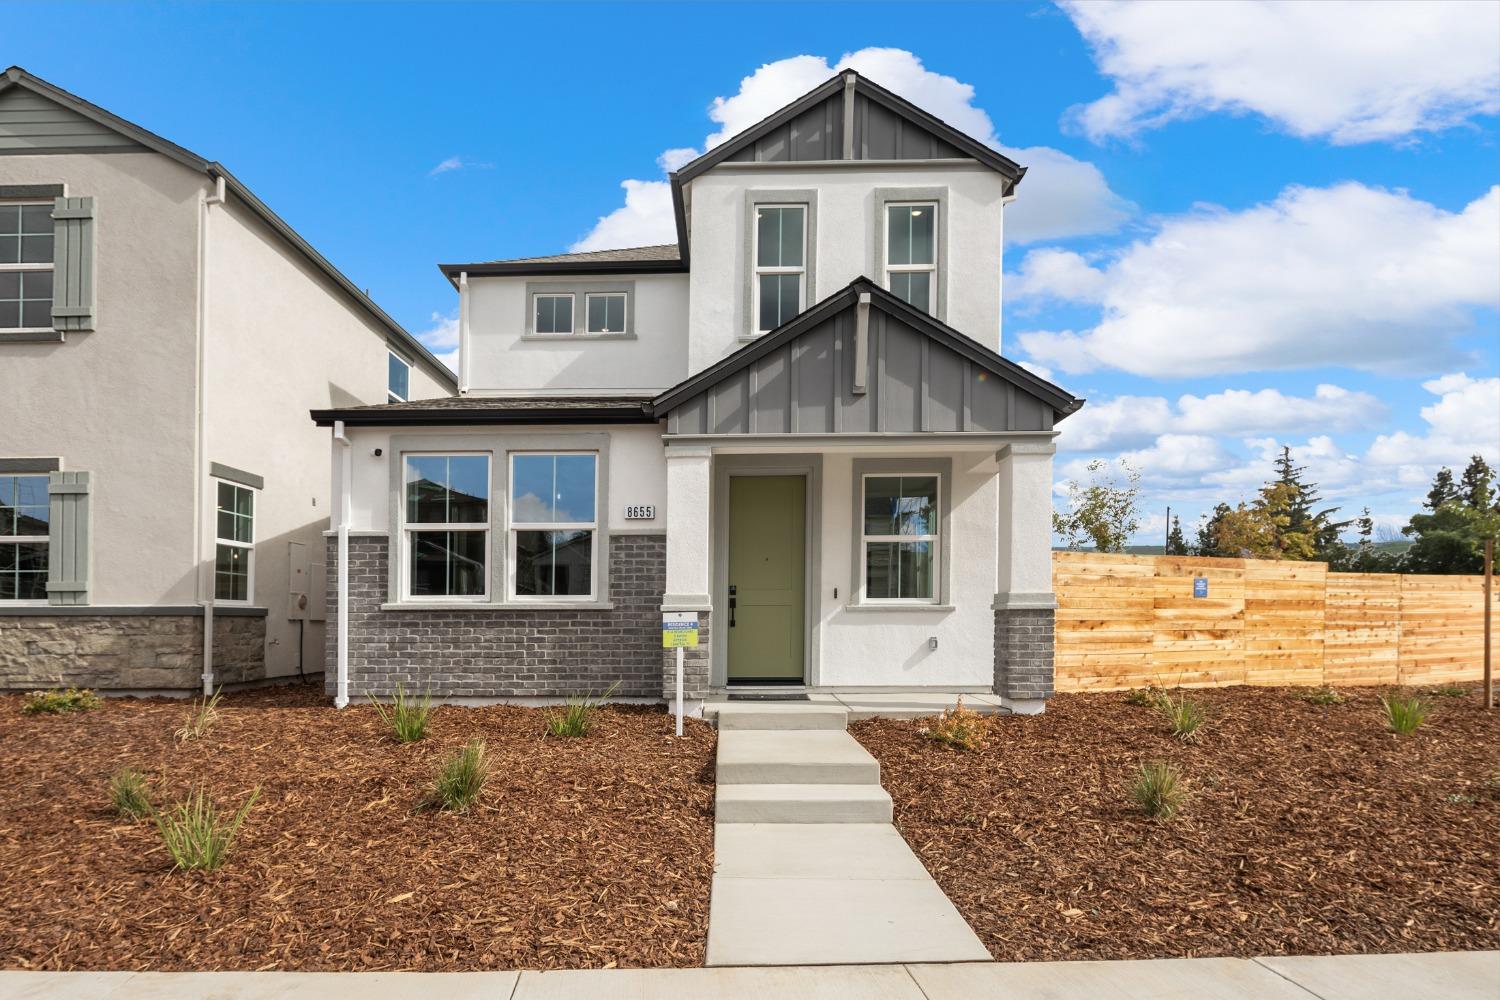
{"points": [[767, 577]]}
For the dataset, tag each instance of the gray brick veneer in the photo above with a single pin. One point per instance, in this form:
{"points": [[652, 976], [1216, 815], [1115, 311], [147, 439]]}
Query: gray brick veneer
{"points": [[1023, 652], [503, 652]]}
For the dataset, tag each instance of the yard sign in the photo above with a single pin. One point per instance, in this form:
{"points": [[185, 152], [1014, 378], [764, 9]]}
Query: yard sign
{"points": [[679, 630]]}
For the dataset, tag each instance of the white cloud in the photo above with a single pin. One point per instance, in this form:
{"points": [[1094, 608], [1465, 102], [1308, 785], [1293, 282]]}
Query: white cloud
{"points": [[1347, 275], [1464, 421], [441, 338], [1347, 72], [1060, 197], [458, 163]]}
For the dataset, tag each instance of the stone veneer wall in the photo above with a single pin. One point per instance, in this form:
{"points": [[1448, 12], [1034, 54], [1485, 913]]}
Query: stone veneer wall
{"points": [[1023, 653], [502, 652], [127, 651]]}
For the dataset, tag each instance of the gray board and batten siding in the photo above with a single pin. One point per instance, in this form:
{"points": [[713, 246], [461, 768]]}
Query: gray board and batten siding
{"points": [[30, 123]]}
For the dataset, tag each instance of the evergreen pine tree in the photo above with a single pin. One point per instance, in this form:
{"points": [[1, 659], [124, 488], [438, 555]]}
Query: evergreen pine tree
{"points": [[1176, 544], [1442, 490], [1208, 537], [1474, 485], [1297, 504]]}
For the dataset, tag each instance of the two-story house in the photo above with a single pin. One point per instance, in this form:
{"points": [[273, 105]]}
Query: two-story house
{"points": [[162, 336], [794, 422]]}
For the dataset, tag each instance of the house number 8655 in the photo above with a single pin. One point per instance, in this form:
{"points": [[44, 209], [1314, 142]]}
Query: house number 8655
{"points": [[641, 512]]}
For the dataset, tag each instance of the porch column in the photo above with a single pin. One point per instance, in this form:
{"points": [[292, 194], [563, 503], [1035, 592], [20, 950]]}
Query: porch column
{"points": [[689, 562], [1024, 605]]}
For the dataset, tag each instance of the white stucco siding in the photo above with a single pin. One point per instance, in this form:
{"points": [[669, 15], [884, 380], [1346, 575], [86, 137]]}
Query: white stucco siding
{"points": [[504, 359], [865, 648], [118, 401], [282, 339], [847, 230]]}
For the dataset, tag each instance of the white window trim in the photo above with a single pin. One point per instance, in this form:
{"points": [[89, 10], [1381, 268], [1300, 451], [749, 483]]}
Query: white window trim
{"points": [[572, 313], [248, 546], [513, 526], [29, 602], [935, 539], [48, 266], [756, 270], [930, 269], [409, 528], [391, 395], [624, 312]]}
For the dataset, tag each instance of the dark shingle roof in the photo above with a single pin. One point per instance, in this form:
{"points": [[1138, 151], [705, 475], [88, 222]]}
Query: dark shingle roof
{"points": [[661, 251], [628, 260], [497, 410]]}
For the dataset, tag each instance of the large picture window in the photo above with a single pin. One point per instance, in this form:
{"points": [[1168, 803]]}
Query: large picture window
{"points": [[26, 261], [911, 253], [780, 264], [900, 538], [234, 553], [24, 528], [446, 525], [553, 524]]}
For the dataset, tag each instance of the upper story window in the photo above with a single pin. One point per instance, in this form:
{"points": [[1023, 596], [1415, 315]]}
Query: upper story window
{"points": [[552, 313], [24, 530], [900, 538], [553, 524], [605, 312], [911, 252], [234, 551], [26, 266], [445, 522], [780, 282], [398, 378]]}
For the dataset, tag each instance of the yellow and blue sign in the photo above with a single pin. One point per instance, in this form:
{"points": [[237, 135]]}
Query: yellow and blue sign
{"points": [[679, 629]]}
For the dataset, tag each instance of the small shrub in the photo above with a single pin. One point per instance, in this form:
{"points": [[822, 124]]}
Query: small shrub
{"points": [[201, 717], [1159, 790], [958, 727], [1322, 696], [130, 794], [461, 780], [195, 834], [1147, 697], [408, 717], [1184, 715], [59, 700], [577, 717], [1450, 691], [1404, 714]]}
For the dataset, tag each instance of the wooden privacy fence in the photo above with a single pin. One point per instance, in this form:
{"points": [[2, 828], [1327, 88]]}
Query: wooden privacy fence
{"points": [[1128, 621]]}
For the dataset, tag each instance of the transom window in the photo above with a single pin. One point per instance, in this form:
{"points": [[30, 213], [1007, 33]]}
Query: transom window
{"points": [[606, 312], [900, 538], [911, 252], [553, 313], [398, 378], [446, 525], [24, 527], [25, 266], [553, 524], [780, 264], [234, 553]]}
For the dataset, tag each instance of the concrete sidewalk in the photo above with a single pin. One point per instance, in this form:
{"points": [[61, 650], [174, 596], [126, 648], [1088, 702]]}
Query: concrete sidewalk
{"points": [[1447, 976]]}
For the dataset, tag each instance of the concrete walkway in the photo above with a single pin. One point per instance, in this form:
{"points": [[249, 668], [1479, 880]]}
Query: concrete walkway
{"points": [[808, 868], [1452, 976]]}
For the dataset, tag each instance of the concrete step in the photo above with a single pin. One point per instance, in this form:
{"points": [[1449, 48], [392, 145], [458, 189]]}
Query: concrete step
{"points": [[794, 757], [776, 715], [802, 804]]}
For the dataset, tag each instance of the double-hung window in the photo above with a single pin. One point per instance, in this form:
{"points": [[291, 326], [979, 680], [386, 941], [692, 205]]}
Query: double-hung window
{"points": [[25, 267], [900, 538], [552, 312], [780, 264], [605, 312], [553, 524], [397, 378], [234, 552], [446, 526], [24, 525], [911, 253]]}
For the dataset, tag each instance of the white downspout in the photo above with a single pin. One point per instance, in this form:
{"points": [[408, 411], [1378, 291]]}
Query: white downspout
{"points": [[463, 333], [346, 496], [200, 492]]}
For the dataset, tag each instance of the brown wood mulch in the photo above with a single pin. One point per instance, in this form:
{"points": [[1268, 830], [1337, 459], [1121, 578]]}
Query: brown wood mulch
{"points": [[1311, 829], [583, 853]]}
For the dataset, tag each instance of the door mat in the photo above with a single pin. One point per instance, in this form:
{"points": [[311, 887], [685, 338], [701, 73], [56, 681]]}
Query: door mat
{"points": [[769, 696]]}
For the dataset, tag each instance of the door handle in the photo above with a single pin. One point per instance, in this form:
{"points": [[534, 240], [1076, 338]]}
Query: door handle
{"points": [[732, 602]]}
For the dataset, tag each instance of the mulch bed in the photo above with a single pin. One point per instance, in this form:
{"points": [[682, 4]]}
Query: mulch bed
{"points": [[582, 853], [1311, 829]]}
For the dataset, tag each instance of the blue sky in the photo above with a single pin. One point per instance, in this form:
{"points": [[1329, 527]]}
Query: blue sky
{"points": [[1229, 206]]}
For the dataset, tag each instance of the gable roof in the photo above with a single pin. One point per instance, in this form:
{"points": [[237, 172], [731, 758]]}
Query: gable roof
{"points": [[663, 257], [974, 379], [16, 77]]}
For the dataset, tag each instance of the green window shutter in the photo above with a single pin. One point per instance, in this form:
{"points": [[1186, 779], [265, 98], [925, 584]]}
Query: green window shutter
{"points": [[68, 538], [73, 264]]}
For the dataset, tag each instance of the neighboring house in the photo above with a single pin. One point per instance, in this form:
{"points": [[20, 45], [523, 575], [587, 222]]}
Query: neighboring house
{"points": [[162, 336], [794, 422]]}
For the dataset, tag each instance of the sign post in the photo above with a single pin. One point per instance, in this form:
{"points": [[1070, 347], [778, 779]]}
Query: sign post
{"points": [[679, 631]]}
